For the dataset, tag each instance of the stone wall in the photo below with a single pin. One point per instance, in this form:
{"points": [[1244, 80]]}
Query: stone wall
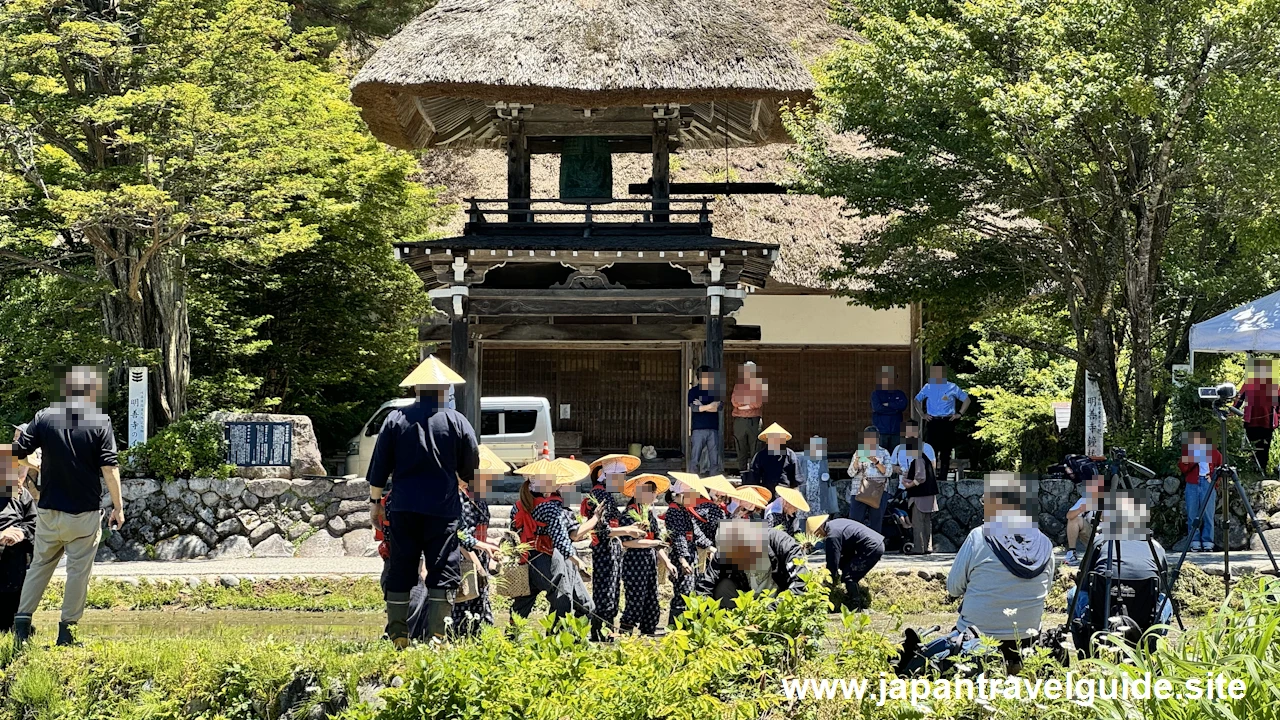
{"points": [[960, 510], [239, 518]]}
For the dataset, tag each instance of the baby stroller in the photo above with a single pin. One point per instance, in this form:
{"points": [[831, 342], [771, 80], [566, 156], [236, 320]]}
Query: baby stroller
{"points": [[898, 536]]}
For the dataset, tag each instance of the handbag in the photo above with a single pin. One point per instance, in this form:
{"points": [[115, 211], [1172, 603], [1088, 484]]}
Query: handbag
{"points": [[871, 491]]}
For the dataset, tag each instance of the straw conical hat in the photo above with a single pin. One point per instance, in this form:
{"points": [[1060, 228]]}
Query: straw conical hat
{"points": [[689, 480], [719, 484], [813, 522], [794, 497], [660, 483], [631, 462], [432, 372], [748, 496], [566, 471], [776, 429], [762, 493], [490, 462]]}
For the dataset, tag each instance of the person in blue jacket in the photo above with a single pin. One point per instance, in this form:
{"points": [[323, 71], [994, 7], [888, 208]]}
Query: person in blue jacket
{"points": [[887, 406]]}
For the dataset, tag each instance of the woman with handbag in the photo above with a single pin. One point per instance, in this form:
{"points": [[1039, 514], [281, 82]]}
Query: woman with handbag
{"points": [[870, 468], [608, 475], [685, 538], [471, 606], [539, 519], [641, 554]]}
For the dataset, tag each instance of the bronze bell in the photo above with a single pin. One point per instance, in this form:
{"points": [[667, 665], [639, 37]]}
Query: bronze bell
{"points": [[586, 169]]}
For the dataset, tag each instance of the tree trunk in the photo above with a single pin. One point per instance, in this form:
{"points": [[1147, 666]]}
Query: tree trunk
{"points": [[155, 319]]}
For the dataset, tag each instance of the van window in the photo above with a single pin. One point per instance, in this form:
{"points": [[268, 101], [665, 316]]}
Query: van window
{"points": [[489, 420], [376, 423], [521, 422]]}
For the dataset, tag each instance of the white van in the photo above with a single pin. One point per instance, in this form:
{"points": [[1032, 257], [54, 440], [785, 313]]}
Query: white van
{"points": [[513, 427]]}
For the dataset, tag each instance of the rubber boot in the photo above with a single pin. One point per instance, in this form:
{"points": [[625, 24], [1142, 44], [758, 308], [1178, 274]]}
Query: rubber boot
{"points": [[22, 631], [439, 612], [398, 619], [66, 634]]}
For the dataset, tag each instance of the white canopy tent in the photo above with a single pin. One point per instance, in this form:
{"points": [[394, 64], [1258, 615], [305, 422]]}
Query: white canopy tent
{"points": [[1251, 328]]}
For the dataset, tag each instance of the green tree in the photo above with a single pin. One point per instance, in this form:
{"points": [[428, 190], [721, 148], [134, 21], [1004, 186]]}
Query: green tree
{"points": [[163, 139], [1059, 150]]}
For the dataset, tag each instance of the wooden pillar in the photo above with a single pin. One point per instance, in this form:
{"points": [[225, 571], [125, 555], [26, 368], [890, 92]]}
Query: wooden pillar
{"points": [[661, 170], [461, 362], [475, 390], [519, 184], [714, 358]]}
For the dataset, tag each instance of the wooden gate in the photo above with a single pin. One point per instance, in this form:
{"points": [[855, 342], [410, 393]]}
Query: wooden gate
{"points": [[615, 396]]}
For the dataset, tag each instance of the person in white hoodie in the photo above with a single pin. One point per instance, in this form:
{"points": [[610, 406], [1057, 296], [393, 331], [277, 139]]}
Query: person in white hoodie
{"points": [[1004, 569]]}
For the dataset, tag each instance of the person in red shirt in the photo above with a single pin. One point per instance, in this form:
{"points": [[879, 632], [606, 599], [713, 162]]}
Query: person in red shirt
{"points": [[748, 400], [1260, 397], [1199, 461]]}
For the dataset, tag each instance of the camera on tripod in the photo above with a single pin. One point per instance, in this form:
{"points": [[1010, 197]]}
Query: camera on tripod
{"points": [[1220, 393]]}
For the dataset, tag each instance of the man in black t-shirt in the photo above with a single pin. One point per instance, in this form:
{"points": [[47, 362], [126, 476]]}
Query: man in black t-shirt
{"points": [[704, 425], [79, 447]]}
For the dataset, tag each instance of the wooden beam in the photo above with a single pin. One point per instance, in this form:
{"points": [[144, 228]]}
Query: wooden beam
{"points": [[637, 145], [514, 332], [713, 188]]}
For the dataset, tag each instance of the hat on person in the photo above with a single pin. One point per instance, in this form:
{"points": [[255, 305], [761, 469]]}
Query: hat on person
{"points": [[719, 483], [566, 471], [776, 429], [793, 496], [491, 463], [748, 494], [813, 522], [432, 372], [687, 483], [660, 483], [616, 463]]}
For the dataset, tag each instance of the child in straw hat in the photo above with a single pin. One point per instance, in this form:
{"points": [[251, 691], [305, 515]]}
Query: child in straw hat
{"points": [[686, 537], [749, 502], [608, 475], [784, 512], [775, 463], [539, 519], [470, 615], [641, 555]]}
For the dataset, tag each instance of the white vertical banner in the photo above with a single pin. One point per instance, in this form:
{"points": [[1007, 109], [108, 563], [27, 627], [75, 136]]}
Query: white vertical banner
{"points": [[138, 377], [1095, 417]]}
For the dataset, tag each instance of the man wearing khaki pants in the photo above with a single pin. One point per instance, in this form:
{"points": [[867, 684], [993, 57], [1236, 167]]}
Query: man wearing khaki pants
{"points": [[79, 451]]}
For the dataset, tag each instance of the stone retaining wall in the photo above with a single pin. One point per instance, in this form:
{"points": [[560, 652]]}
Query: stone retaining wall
{"points": [[238, 518]]}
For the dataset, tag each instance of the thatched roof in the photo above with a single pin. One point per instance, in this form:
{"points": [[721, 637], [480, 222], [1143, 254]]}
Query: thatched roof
{"points": [[435, 83], [807, 229]]}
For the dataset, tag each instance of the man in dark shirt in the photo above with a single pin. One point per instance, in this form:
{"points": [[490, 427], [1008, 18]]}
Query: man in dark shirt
{"points": [[426, 448], [887, 404], [79, 452], [704, 425], [852, 549]]}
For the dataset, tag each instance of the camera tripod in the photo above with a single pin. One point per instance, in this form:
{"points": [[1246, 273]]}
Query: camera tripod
{"points": [[1117, 469], [1226, 470]]}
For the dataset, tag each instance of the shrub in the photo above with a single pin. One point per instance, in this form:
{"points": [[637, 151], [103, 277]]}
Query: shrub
{"points": [[186, 448]]}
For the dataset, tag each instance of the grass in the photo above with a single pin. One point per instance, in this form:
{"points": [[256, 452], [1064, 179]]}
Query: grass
{"points": [[309, 594]]}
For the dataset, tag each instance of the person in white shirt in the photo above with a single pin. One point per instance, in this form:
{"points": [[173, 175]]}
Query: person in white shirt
{"points": [[936, 403], [921, 485], [1080, 515], [871, 469]]}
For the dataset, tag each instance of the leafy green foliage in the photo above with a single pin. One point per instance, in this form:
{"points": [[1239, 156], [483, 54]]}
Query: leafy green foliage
{"points": [[201, 164], [1102, 156], [186, 448]]}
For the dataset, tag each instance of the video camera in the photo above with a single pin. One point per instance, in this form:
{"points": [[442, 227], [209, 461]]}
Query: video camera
{"points": [[1223, 392]]}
